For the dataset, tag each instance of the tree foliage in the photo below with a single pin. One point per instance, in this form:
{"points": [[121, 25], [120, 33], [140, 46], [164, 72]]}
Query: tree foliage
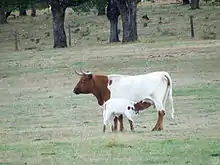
{"points": [[100, 5], [7, 6]]}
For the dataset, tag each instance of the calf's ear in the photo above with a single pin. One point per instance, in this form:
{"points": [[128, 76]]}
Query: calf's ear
{"points": [[90, 76]]}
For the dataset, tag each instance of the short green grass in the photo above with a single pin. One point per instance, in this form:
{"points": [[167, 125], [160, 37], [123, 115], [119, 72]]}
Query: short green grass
{"points": [[98, 151], [43, 122]]}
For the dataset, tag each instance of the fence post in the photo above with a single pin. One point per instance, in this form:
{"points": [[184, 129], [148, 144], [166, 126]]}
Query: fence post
{"points": [[192, 28], [69, 35], [16, 39]]}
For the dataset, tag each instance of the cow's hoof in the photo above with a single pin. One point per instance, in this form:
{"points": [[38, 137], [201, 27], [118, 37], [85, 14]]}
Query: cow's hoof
{"points": [[160, 128], [157, 129]]}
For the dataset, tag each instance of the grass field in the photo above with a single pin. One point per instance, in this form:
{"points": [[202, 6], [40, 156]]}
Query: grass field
{"points": [[42, 122]]}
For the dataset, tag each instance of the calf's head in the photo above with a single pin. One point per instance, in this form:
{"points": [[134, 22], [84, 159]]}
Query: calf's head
{"points": [[85, 84]]}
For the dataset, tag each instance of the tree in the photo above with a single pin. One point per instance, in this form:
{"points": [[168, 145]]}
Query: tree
{"points": [[112, 15], [6, 8], [58, 8], [22, 5], [22, 12], [185, 2], [58, 12], [194, 4], [33, 10], [128, 9], [2, 12], [100, 5]]}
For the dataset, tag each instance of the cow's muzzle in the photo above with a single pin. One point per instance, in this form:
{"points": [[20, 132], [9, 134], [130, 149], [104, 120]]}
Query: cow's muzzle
{"points": [[76, 91]]}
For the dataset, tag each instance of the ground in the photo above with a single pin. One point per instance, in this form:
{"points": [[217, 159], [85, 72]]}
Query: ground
{"points": [[43, 122]]}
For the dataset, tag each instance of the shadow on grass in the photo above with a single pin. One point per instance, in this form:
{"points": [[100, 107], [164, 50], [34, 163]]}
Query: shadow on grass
{"points": [[215, 155]]}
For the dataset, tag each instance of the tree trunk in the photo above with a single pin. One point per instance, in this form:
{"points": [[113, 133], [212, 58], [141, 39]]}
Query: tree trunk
{"points": [[22, 12], [101, 11], [185, 2], [2, 14], [197, 5], [114, 31], [128, 10], [33, 11], [100, 5], [58, 26], [112, 15], [7, 14], [194, 4]]}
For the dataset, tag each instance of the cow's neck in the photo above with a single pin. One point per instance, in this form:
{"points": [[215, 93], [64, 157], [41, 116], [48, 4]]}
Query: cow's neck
{"points": [[101, 92]]}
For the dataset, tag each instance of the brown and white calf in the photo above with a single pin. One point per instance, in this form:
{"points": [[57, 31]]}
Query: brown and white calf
{"points": [[119, 106], [156, 86]]}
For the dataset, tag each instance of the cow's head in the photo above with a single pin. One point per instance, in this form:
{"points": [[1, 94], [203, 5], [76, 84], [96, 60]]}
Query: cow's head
{"points": [[85, 84]]}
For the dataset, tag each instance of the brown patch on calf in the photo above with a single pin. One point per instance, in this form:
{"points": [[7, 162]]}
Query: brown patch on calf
{"points": [[141, 105]]}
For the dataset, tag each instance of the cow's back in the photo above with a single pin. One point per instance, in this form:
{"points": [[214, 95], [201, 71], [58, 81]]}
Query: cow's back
{"points": [[118, 104], [136, 87]]}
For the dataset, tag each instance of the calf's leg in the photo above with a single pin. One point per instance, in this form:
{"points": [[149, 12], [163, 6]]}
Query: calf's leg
{"points": [[128, 114], [120, 118], [131, 125], [115, 124], [104, 128]]}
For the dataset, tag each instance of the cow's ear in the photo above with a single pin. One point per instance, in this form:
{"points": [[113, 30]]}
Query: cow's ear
{"points": [[90, 76]]}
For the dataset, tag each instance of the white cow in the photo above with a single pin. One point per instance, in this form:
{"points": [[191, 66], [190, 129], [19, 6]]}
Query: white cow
{"points": [[156, 86]]}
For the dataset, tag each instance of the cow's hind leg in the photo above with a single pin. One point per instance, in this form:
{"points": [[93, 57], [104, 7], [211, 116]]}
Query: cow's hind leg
{"points": [[159, 124], [120, 118], [161, 112]]}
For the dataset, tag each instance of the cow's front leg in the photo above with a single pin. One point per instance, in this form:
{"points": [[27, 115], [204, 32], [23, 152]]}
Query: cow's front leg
{"points": [[159, 124], [115, 127], [120, 118]]}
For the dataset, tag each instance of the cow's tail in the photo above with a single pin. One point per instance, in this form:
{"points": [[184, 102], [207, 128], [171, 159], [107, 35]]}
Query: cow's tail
{"points": [[169, 93]]}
